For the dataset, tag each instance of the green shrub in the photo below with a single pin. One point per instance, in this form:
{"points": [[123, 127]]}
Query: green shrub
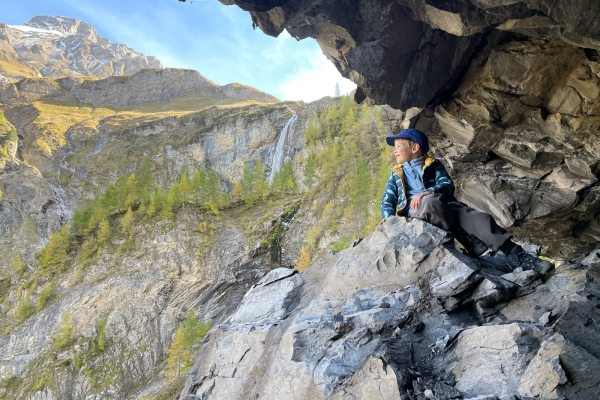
{"points": [[52, 258], [101, 340], [12, 135], [25, 309], [66, 333], [45, 297], [17, 264]]}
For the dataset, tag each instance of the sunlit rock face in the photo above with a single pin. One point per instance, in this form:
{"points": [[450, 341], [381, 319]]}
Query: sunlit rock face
{"points": [[57, 47], [403, 314], [507, 90]]}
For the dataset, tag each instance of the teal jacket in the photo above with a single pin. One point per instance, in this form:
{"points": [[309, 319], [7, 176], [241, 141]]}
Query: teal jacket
{"points": [[435, 179]]}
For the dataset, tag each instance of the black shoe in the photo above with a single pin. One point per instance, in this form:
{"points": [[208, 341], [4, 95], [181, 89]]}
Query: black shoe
{"points": [[471, 243], [526, 261]]}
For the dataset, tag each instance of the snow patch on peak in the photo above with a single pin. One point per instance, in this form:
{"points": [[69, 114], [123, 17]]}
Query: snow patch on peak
{"points": [[67, 46], [38, 31]]}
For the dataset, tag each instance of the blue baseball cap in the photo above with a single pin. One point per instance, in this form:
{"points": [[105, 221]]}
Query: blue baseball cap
{"points": [[411, 134]]}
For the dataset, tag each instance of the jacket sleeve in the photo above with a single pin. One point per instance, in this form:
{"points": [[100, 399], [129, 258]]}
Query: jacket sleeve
{"points": [[443, 183], [389, 201]]}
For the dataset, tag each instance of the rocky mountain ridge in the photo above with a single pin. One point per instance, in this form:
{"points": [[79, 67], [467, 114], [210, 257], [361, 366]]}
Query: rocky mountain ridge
{"points": [[145, 86], [59, 46]]}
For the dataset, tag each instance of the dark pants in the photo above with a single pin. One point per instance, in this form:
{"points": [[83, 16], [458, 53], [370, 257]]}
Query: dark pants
{"points": [[449, 216]]}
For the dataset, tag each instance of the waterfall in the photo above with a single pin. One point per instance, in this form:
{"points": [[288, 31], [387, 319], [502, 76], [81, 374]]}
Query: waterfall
{"points": [[278, 156]]}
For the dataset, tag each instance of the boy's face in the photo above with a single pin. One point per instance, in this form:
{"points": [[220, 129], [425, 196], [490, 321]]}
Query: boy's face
{"points": [[405, 151]]}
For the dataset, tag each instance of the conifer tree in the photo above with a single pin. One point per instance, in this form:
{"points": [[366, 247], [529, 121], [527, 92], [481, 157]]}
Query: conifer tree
{"points": [[103, 232], [121, 189], [187, 341], [246, 182], [53, 256], [312, 134], [169, 202], [290, 184], [361, 195], [304, 260], [259, 182], [185, 188], [155, 202], [310, 172], [365, 115], [110, 200], [127, 221], [143, 174], [350, 121], [195, 187], [203, 188], [237, 192], [45, 296], [175, 353], [97, 214], [145, 182], [131, 191], [79, 222], [277, 184], [185, 170]]}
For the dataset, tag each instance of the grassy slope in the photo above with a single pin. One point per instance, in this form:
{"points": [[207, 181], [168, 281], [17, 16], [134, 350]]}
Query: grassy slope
{"points": [[11, 67]]}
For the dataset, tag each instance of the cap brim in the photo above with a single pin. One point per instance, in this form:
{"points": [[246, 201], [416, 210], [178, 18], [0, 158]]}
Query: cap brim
{"points": [[390, 140]]}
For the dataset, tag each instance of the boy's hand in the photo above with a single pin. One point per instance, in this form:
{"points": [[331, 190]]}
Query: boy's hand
{"points": [[414, 203]]}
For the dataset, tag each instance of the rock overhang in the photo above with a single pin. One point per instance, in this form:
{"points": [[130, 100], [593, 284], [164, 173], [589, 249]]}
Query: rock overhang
{"points": [[385, 46]]}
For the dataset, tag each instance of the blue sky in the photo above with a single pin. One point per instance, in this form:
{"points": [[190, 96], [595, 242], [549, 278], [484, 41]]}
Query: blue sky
{"points": [[216, 40]]}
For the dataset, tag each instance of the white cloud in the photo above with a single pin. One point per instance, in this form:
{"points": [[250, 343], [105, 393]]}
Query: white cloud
{"points": [[315, 81]]}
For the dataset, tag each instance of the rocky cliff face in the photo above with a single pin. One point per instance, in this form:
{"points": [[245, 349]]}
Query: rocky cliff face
{"points": [[405, 315], [508, 91], [146, 86], [60, 46], [66, 152]]}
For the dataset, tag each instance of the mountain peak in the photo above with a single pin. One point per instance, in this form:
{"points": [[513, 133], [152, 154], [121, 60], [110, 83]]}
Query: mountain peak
{"points": [[57, 47], [65, 25]]}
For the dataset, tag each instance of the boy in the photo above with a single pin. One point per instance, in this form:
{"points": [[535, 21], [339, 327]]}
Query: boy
{"points": [[420, 187]]}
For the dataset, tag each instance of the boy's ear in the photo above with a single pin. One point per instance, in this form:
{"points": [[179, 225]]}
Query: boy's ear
{"points": [[416, 147]]}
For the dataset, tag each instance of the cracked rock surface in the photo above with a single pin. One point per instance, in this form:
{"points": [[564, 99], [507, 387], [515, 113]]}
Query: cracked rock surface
{"points": [[404, 314]]}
